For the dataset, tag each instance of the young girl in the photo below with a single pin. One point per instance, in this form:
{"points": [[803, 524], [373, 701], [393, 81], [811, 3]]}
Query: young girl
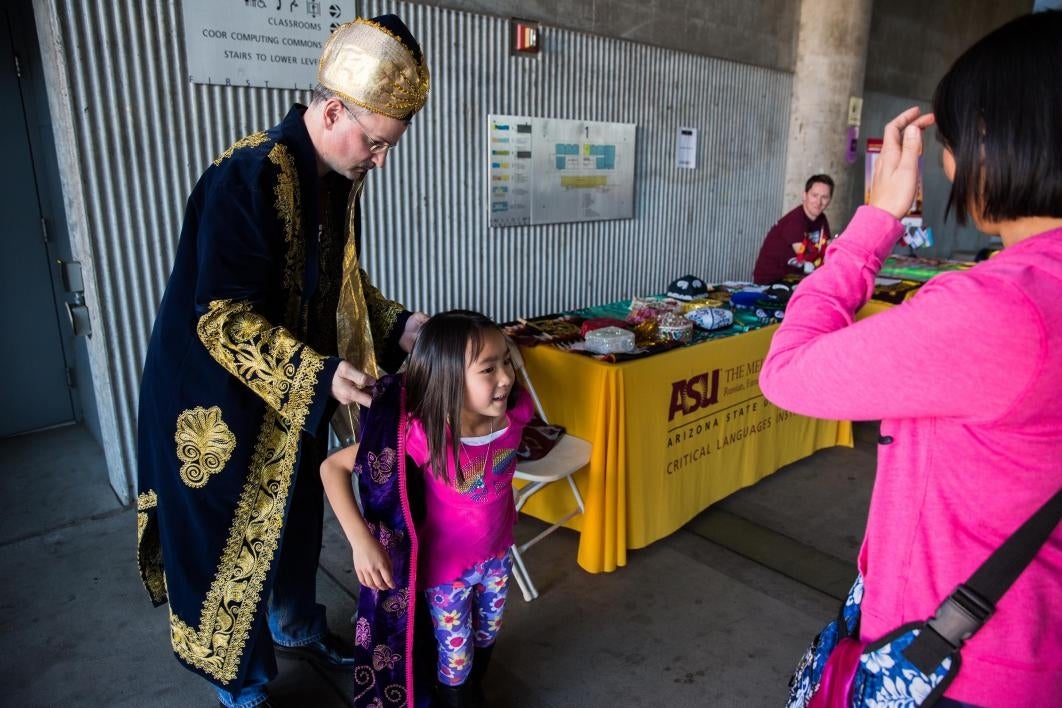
{"points": [[441, 526], [965, 377]]}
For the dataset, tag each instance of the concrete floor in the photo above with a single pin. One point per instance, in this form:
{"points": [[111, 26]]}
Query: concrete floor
{"points": [[714, 615]]}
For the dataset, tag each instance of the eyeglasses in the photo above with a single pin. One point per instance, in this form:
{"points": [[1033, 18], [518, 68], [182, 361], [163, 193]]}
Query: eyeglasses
{"points": [[376, 147]]}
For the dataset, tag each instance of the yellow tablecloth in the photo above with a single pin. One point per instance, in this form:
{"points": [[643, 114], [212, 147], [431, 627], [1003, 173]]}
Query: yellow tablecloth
{"points": [[873, 307], [672, 434]]}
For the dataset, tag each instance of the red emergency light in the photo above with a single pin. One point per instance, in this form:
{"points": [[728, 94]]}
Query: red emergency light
{"points": [[526, 36]]}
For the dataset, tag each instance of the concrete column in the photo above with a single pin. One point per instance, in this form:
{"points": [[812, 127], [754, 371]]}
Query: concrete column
{"points": [[830, 66]]}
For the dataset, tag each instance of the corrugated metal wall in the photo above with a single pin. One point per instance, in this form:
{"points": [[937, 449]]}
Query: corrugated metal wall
{"points": [[142, 134], [427, 222]]}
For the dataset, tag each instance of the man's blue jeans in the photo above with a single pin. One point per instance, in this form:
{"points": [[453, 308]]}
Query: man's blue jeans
{"points": [[294, 617]]}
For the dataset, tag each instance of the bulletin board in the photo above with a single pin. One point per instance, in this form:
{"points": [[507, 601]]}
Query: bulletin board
{"points": [[548, 170]]}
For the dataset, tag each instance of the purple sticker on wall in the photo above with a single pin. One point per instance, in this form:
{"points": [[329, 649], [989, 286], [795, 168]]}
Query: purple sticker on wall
{"points": [[853, 143]]}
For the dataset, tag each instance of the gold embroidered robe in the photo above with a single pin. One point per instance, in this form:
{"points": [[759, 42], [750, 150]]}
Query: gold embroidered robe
{"points": [[235, 395]]}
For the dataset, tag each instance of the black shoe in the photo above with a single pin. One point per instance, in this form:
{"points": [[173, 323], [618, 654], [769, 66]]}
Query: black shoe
{"points": [[480, 661], [461, 696], [328, 651]]}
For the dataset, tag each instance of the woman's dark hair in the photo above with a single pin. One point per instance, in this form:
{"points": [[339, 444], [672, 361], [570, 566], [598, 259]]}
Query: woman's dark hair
{"points": [[435, 379], [999, 111]]}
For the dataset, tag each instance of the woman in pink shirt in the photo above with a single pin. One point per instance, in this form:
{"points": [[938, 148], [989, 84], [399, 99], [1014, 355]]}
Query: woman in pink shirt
{"points": [[459, 370], [966, 377]]}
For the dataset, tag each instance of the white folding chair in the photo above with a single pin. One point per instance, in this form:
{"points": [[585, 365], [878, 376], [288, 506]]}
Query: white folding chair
{"points": [[569, 455]]}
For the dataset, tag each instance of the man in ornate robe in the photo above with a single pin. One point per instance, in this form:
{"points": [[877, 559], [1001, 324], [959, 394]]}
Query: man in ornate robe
{"points": [[248, 361]]}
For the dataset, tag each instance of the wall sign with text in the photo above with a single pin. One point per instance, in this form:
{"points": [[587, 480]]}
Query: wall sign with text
{"points": [[263, 43]]}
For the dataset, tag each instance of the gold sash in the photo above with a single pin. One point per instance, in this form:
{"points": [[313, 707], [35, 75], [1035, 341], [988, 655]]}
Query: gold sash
{"points": [[353, 330]]}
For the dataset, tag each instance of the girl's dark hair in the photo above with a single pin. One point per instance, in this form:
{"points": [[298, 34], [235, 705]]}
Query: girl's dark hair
{"points": [[999, 111], [435, 379]]}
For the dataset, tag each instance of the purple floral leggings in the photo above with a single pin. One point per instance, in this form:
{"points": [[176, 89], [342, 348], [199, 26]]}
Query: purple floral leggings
{"points": [[467, 613]]}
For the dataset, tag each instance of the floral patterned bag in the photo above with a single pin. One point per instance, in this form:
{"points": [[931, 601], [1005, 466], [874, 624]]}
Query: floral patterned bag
{"points": [[808, 678], [913, 665], [838, 671]]}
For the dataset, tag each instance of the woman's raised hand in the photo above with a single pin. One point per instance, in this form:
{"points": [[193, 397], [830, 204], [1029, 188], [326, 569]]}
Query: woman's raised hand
{"points": [[896, 169]]}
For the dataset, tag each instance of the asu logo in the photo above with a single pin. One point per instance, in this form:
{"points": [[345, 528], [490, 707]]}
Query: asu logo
{"points": [[689, 396]]}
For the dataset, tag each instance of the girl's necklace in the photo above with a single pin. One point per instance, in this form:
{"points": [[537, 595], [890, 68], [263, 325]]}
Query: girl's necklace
{"points": [[470, 481]]}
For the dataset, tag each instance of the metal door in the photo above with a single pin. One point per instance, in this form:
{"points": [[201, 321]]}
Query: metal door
{"points": [[34, 391]]}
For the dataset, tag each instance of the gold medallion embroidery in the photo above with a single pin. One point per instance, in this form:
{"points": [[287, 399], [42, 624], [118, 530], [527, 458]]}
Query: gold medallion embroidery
{"points": [[204, 444], [252, 140]]}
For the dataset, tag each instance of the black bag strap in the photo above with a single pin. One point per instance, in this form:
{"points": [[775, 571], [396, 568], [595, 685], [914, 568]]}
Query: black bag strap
{"points": [[1002, 568], [967, 609]]}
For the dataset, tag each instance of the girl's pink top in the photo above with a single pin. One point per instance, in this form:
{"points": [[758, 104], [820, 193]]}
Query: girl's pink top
{"points": [[966, 378], [462, 527]]}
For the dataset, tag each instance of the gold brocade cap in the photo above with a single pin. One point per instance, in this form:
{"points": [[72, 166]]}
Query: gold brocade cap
{"points": [[376, 64]]}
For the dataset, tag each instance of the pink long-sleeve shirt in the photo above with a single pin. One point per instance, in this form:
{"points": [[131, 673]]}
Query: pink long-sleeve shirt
{"points": [[462, 527], [966, 379]]}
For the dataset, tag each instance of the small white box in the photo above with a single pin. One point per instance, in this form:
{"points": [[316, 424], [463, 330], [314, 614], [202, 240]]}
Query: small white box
{"points": [[609, 340]]}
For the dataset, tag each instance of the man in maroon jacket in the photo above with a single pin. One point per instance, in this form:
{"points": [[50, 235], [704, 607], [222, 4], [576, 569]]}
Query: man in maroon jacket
{"points": [[795, 244]]}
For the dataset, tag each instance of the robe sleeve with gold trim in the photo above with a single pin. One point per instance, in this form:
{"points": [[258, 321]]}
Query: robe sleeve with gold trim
{"points": [[387, 319]]}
